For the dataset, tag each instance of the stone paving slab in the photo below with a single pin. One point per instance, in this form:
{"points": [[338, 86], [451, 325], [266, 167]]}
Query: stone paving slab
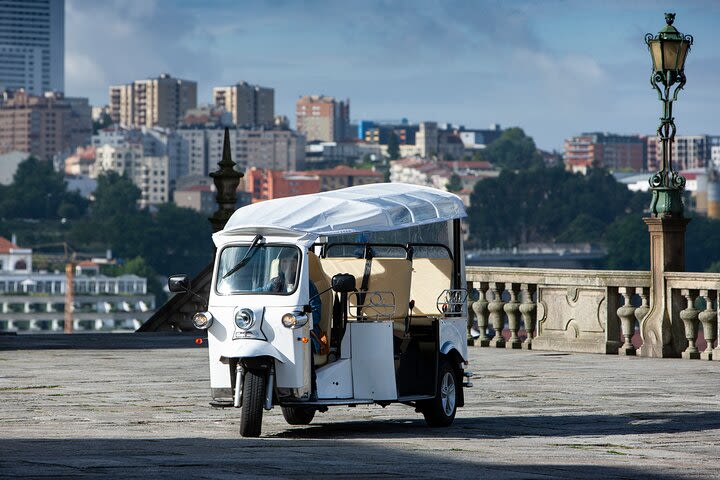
{"points": [[143, 413]]}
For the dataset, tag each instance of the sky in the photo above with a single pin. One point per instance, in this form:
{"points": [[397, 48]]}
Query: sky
{"points": [[555, 68]]}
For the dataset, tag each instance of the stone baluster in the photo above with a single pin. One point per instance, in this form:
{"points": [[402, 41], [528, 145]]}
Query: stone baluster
{"points": [[527, 310], [470, 314], [689, 317], [627, 322], [708, 318], [644, 307], [496, 314], [480, 307], [512, 308]]}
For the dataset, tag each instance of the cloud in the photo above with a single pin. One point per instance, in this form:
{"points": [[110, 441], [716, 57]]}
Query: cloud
{"points": [[125, 40], [555, 68]]}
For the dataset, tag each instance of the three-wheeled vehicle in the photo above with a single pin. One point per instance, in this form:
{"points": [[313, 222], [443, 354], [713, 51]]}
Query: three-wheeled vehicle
{"points": [[348, 297]]}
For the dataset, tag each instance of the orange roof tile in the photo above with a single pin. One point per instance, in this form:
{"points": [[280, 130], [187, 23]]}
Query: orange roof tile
{"points": [[6, 245]]}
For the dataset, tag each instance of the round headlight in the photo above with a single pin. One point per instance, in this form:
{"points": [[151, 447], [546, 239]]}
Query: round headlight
{"points": [[294, 320], [244, 318], [202, 320], [289, 320]]}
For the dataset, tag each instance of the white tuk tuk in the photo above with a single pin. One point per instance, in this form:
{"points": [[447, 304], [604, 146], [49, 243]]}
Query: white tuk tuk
{"points": [[348, 297]]}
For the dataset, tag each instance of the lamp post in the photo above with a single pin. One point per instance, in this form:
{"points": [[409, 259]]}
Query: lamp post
{"points": [[668, 49], [661, 335]]}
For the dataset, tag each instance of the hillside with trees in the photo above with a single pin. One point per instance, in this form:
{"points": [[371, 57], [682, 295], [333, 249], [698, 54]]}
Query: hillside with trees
{"points": [[531, 203]]}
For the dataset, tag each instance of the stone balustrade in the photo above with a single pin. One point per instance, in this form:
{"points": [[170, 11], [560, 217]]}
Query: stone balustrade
{"points": [[595, 311]]}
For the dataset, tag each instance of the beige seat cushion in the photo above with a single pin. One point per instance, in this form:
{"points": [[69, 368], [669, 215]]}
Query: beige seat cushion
{"points": [[430, 276], [386, 274]]}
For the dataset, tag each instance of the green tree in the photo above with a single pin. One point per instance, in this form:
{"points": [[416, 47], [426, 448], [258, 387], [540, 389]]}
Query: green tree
{"points": [[393, 146], [39, 192], [114, 195], [627, 243], [103, 122], [584, 228], [454, 183], [513, 151], [539, 205]]}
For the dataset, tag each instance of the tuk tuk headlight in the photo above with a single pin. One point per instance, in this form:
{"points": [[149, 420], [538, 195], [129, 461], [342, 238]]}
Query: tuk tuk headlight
{"points": [[202, 320], [294, 320], [244, 318]]}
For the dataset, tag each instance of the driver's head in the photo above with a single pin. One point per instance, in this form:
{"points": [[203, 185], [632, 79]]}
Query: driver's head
{"points": [[288, 263]]}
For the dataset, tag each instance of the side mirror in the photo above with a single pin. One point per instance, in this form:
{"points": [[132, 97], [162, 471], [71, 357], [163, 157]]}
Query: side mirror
{"points": [[179, 283], [343, 283]]}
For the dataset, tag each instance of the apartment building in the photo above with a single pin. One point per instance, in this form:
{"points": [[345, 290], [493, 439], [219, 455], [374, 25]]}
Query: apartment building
{"points": [[154, 102], [426, 139], [251, 147], [421, 171], [149, 173], [323, 118], [688, 152], [43, 126], [614, 152], [266, 184], [250, 105], [343, 176], [32, 45]]}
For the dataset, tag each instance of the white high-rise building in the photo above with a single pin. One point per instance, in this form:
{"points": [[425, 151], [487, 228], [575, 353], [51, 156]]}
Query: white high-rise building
{"points": [[32, 45]]}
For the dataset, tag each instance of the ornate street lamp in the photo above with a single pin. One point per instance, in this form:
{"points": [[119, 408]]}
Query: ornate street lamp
{"points": [[668, 49]]}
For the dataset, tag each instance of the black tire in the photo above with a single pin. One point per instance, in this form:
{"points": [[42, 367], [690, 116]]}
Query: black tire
{"points": [[298, 415], [440, 411], [252, 404]]}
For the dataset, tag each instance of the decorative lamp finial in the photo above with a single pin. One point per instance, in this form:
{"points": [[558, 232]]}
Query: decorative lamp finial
{"points": [[226, 180]]}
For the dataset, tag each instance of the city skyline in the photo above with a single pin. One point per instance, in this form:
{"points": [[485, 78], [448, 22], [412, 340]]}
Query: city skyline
{"points": [[555, 68]]}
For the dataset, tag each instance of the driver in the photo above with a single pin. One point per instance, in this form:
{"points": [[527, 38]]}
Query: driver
{"points": [[285, 282]]}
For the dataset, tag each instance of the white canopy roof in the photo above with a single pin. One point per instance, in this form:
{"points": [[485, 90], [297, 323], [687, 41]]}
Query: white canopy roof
{"points": [[364, 208]]}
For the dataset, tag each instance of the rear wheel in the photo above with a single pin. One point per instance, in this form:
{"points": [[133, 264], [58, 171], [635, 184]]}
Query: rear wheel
{"points": [[440, 411], [298, 415], [252, 405]]}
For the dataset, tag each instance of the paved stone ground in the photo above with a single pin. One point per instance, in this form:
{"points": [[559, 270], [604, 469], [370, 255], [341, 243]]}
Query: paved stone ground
{"points": [[69, 409]]}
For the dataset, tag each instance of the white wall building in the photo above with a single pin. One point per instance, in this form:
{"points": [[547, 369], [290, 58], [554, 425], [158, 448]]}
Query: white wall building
{"points": [[35, 301]]}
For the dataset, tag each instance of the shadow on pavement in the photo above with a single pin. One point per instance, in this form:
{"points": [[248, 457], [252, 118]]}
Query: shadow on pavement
{"points": [[272, 458], [518, 426]]}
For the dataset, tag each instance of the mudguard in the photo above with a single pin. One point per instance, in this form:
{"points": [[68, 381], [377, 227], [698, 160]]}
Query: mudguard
{"points": [[250, 349]]}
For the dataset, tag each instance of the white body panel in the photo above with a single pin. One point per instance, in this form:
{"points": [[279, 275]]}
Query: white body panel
{"points": [[453, 336], [335, 380], [373, 363]]}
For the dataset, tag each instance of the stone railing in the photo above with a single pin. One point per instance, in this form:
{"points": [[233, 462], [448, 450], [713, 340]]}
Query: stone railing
{"points": [[599, 311]]}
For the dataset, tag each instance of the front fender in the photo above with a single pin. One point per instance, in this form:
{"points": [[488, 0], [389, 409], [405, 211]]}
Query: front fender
{"points": [[250, 349]]}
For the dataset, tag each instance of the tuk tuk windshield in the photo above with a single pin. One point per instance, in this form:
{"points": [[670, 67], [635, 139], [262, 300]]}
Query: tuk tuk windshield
{"points": [[271, 269]]}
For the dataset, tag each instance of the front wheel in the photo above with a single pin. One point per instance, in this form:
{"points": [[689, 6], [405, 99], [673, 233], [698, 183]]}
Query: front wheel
{"points": [[252, 406], [298, 415], [440, 411]]}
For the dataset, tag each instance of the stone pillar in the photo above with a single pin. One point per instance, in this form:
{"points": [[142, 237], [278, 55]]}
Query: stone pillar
{"points": [[661, 337]]}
